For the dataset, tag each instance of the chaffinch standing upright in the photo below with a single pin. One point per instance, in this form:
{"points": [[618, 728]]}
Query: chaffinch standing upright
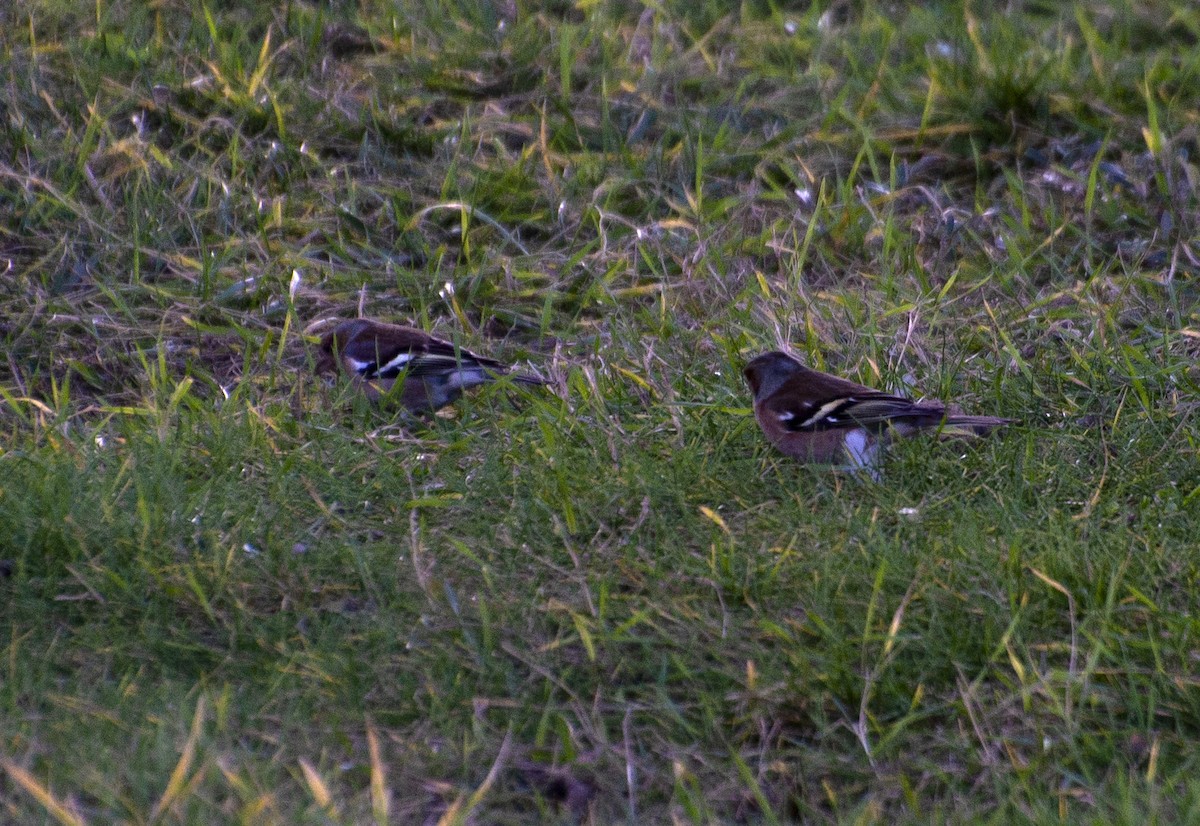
{"points": [[434, 372], [819, 418]]}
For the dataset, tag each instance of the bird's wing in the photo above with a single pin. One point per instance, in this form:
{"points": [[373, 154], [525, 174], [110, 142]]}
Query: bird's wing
{"points": [[386, 358], [439, 356], [870, 409]]}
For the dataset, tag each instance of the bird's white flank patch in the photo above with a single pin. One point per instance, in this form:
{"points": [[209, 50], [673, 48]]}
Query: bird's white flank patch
{"points": [[466, 377], [859, 448]]}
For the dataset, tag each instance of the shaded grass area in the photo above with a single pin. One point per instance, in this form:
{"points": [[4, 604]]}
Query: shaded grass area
{"points": [[237, 592]]}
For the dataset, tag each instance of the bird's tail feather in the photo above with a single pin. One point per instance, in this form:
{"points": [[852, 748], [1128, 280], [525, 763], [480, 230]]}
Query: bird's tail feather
{"points": [[967, 426]]}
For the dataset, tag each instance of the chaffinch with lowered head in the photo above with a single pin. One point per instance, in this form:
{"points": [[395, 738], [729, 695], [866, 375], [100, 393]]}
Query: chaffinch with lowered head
{"points": [[434, 372], [819, 418]]}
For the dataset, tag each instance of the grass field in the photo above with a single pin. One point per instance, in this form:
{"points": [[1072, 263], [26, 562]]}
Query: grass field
{"points": [[234, 592]]}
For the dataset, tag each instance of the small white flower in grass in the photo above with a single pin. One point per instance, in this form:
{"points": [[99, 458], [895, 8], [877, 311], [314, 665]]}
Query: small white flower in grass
{"points": [[100, 442], [294, 285], [250, 550], [790, 26], [447, 290], [909, 513], [805, 196]]}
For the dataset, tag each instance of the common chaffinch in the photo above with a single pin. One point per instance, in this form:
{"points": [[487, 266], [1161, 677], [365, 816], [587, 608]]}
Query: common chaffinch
{"points": [[819, 418], [434, 372]]}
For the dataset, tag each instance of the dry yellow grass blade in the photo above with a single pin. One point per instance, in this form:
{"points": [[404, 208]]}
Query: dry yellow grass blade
{"points": [[59, 811], [462, 807], [380, 797], [317, 788], [178, 781]]}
